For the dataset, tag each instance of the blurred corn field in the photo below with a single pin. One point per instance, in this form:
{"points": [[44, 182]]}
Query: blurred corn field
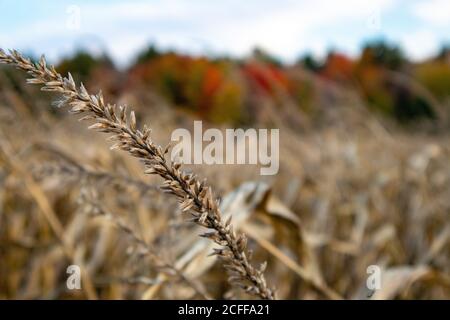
{"points": [[354, 189]]}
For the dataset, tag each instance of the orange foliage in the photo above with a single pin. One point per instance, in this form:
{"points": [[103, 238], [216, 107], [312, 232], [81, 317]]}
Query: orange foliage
{"points": [[195, 83], [268, 78], [338, 67]]}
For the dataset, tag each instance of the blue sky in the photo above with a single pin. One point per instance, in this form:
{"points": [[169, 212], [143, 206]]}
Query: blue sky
{"points": [[286, 28]]}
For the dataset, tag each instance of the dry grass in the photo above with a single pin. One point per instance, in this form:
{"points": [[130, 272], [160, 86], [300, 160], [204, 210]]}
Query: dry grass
{"points": [[194, 196], [343, 200]]}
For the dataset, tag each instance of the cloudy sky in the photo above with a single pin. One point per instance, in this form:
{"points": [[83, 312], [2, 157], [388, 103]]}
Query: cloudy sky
{"points": [[286, 28]]}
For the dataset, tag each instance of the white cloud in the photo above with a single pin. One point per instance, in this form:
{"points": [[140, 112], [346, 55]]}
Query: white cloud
{"points": [[420, 44], [284, 27], [435, 12]]}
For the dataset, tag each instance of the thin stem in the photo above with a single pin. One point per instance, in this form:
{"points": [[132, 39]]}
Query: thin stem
{"points": [[194, 196]]}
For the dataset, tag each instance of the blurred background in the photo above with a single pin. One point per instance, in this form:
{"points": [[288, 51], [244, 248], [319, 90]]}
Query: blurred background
{"points": [[359, 90]]}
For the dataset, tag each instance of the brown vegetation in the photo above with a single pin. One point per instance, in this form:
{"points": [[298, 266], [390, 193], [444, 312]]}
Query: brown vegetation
{"points": [[353, 191]]}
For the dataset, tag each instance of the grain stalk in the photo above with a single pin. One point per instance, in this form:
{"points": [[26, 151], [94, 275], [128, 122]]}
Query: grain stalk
{"points": [[91, 205], [193, 195]]}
